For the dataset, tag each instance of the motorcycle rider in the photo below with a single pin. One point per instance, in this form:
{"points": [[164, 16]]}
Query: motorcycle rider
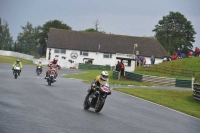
{"points": [[17, 63], [39, 65], [53, 65], [103, 78]]}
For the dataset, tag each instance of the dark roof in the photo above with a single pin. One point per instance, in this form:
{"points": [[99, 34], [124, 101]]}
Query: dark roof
{"points": [[109, 43]]}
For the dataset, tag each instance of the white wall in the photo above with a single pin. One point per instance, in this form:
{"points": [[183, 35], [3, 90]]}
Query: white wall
{"points": [[98, 59]]}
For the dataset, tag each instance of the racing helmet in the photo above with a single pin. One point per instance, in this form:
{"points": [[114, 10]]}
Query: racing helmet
{"points": [[17, 60], [55, 60], [104, 75]]}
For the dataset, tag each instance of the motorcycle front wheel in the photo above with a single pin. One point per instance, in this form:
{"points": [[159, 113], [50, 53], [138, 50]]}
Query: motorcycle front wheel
{"points": [[49, 81], [99, 105], [15, 75], [86, 103]]}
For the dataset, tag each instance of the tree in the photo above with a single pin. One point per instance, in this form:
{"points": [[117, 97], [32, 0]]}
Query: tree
{"points": [[45, 30], [91, 30], [6, 40], [175, 31], [28, 40]]}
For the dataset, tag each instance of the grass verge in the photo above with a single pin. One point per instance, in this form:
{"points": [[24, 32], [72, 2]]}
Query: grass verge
{"points": [[10, 59], [179, 100], [89, 75]]}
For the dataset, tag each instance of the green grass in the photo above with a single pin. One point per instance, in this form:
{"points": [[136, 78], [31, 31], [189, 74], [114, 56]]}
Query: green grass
{"points": [[89, 75], [185, 63], [10, 59], [178, 100]]}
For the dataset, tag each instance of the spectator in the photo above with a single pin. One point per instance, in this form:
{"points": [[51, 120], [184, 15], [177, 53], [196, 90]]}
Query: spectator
{"points": [[190, 54], [179, 53], [118, 66], [144, 62], [175, 56], [152, 60], [164, 59], [122, 68], [196, 52]]}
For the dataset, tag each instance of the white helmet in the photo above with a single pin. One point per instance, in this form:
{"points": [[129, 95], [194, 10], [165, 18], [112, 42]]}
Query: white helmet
{"points": [[104, 75]]}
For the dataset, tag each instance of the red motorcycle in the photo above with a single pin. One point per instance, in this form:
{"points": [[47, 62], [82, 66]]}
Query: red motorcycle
{"points": [[98, 98]]}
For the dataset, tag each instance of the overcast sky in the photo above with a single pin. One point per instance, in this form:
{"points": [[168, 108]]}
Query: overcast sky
{"points": [[123, 17]]}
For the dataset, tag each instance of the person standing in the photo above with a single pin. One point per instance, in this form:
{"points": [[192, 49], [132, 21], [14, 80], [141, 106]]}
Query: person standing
{"points": [[122, 68], [152, 60], [118, 66]]}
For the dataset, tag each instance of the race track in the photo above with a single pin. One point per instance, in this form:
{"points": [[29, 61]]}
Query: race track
{"points": [[29, 105]]}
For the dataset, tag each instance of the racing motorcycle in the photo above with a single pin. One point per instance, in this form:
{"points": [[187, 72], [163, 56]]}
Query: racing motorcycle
{"points": [[39, 70], [50, 77], [16, 71], [97, 99]]}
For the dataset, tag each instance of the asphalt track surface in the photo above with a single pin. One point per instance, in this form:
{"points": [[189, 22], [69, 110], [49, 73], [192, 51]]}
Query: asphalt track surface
{"points": [[29, 105]]}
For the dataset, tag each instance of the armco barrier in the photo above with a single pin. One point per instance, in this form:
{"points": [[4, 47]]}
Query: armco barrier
{"points": [[183, 83], [133, 76], [115, 74]]}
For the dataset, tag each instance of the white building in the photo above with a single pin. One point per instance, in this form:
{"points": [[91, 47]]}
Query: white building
{"points": [[99, 48]]}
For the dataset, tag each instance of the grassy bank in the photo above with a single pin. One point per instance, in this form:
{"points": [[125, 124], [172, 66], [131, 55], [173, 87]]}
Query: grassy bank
{"points": [[10, 59], [185, 63], [178, 100]]}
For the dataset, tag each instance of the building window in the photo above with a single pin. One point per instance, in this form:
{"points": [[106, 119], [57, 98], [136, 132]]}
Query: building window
{"points": [[62, 51], [56, 51], [127, 62], [105, 55], [84, 53]]}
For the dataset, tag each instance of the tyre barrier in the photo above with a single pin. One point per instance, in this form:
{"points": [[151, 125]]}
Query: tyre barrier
{"points": [[196, 91]]}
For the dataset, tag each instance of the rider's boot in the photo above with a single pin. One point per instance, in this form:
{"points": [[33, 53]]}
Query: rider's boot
{"points": [[45, 76], [55, 78]]}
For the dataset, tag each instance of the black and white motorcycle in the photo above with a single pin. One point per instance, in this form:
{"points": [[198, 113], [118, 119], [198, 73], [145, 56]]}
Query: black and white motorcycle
{"points": [[51, 77], [16, 71]]}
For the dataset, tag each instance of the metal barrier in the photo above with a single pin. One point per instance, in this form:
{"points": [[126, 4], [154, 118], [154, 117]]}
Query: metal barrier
{"points": [[163, 81]]}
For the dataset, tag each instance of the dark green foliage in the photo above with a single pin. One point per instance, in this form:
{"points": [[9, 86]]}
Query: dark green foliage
{"points": [[175, 31], [6, 41], [45, 30], [28, 40], [91, 30]]}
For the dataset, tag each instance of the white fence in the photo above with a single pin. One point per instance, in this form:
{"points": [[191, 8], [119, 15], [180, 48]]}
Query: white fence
{"points": [[23, 56]]}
